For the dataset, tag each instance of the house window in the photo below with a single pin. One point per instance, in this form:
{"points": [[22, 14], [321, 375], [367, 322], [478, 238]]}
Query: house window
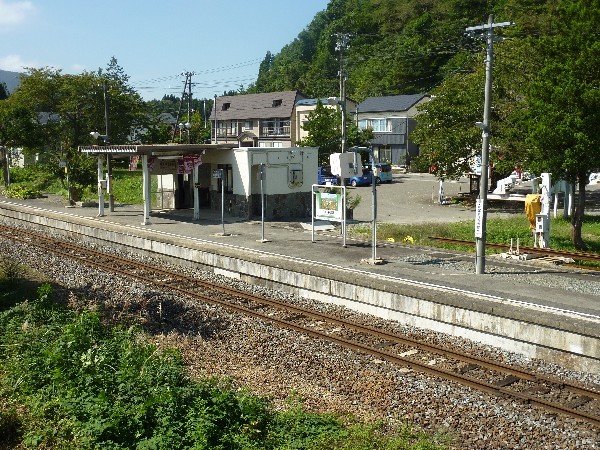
{"points": [[225, 106], [277, 103], [378, 125], [385, 153], [248, 125], [232, 128]]}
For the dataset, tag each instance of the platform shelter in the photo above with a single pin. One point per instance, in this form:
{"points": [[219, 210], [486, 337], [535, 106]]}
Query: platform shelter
{"points": [[195, 174]]}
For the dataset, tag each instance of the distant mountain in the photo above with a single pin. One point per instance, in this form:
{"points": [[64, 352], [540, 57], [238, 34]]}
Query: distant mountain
{"points": [[11, 79]]}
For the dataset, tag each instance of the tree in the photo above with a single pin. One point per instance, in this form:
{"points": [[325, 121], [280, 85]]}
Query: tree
{"points": [[127, 109], [16, 130], [563, 103], [446, 134], [324, 131], [3, 91], [62, 110]]}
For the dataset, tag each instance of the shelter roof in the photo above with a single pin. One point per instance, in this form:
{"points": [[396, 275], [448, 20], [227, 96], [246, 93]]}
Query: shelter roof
{"points": [[154, 149]]}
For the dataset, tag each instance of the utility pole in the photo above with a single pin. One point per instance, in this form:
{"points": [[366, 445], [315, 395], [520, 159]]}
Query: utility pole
{"points": [[189, 105], [343, 41], [481, 206], [216, 122], [109, 189], [187, 85]]}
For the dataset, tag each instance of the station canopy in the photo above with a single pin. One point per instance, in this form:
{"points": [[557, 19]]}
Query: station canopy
{"points": [[152, 150]]}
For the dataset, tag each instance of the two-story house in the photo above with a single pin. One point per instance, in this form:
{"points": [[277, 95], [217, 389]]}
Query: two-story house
{"points": [[255, 120], [391, 118]]}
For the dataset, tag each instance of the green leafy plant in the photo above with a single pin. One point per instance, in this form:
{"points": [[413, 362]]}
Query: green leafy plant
{"points": [[21, 192], [10, 270], [352, 201]]}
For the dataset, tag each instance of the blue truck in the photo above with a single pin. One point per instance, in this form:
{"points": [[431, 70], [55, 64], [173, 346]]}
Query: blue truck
{"points": [[326, 177]]}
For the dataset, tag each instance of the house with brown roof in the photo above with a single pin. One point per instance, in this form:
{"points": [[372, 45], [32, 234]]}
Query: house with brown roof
{"points": [[391, 118], [255, 120]]}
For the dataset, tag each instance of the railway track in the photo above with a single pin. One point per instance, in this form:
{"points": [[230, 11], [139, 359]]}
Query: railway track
{"points": [[554, 395], [577, 256]]}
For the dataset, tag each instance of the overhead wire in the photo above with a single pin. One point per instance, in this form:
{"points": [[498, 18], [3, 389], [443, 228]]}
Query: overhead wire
{"points": [[153, 84]]}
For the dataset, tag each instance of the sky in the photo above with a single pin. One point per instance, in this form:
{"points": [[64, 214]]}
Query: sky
{"points": [[155, 42]]}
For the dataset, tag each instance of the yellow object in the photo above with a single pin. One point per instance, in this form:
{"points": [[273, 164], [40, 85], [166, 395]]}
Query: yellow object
{"points": [[391, 240], [533, 206]]}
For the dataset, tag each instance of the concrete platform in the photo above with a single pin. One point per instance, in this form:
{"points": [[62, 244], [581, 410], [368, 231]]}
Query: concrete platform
{"points": [[552, 323]]}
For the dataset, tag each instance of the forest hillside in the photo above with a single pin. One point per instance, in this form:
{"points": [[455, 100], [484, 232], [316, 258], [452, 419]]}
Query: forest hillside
{"points": [[388, 47]]}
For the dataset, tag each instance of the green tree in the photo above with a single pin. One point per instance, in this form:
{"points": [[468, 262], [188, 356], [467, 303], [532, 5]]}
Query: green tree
{"points": [[324, 131], [127, 110], [563, 103], [446, 134], [62, 111], [3, 91]]}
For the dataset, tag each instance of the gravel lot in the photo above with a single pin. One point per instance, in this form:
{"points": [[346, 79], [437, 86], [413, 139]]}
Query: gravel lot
{"points": [[413, 198]]}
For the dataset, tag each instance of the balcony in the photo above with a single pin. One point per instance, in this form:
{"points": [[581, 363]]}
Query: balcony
{"points": [[275, 131]]}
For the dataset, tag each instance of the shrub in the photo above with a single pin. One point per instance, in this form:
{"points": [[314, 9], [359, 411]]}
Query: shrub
{"points": [[10, 270], [21, 192]]}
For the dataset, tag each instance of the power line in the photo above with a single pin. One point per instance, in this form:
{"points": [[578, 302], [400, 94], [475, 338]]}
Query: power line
{"points": [[200, 72]]}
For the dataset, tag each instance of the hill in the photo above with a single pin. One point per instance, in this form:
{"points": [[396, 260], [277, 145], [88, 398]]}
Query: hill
{"points": [[387, 47], [10, 78]]}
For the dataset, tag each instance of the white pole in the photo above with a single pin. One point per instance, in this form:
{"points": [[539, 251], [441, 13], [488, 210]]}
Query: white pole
{"points": [[263, 174], [146, 189], [100, 189], [196, 193]]}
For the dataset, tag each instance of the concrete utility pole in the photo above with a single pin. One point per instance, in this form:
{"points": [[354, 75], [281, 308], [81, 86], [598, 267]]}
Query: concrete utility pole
{"points": [[481, 209], [216, 122], [189, 105], [109, 187], [343, 41], [186, 85]]}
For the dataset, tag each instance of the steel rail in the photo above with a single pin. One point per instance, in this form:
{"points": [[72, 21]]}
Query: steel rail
{"points": [[106, 262], [578, 256]]}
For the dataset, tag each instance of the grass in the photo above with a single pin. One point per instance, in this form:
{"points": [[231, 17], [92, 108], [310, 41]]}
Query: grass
{"points": [[498, 231], [127, 186], [32, 181]]}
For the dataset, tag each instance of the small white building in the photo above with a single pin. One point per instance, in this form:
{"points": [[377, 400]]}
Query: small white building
{"points": [[187, 177]]}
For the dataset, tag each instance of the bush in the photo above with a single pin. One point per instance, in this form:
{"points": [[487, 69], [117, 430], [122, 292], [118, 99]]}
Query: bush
{"points": [[10, 270], [21, 192]]}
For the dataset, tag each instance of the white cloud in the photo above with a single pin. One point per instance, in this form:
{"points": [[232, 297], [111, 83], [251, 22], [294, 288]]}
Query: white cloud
{"points": [[14, 63], [14, 13], [77, 68]]}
